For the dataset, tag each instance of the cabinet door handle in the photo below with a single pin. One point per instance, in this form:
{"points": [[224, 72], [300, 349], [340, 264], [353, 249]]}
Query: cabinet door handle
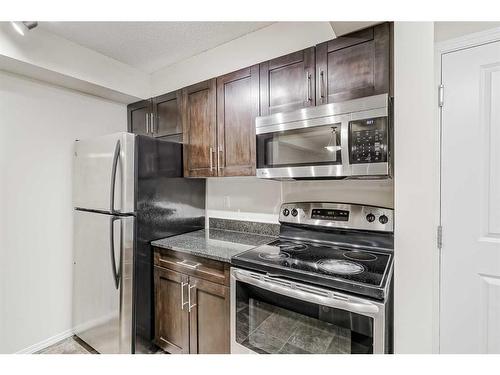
{"points": [[189, 297], [147, 123], [151, 115], [308, 82], [321, 84], [218, 159], [182, 295], [211, 159], [188, 264]]}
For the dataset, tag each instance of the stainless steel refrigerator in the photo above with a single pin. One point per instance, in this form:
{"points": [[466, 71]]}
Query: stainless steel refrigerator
{"points": [[127, 191]]}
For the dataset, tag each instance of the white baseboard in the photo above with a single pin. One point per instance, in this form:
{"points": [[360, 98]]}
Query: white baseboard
{"points": [[46, 343]]}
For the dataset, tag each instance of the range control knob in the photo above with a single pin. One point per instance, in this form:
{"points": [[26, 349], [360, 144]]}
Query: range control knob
{"points": [[286, 212], [294, 212], [383, 219], [370, 218]]}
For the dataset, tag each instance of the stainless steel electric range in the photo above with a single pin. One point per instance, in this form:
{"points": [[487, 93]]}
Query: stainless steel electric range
{"points": [[323, 287]]}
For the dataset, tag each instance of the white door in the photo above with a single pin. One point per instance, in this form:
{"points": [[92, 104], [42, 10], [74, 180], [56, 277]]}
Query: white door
{"points": [[470, 257]]}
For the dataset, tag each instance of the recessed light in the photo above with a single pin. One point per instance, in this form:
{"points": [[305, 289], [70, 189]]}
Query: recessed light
{"points": [[17, 27], [23, 26]]}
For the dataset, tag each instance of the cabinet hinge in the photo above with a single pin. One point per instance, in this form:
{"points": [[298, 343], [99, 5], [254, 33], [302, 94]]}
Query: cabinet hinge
{"points": [[441, 95], [440, 237]]}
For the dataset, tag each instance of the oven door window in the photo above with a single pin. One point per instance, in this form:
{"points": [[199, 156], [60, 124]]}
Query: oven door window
{"points": [[267, 322], [318, 145]]}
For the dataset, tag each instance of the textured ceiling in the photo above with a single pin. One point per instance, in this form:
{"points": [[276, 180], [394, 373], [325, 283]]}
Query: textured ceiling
{"points": [[150, 46]]}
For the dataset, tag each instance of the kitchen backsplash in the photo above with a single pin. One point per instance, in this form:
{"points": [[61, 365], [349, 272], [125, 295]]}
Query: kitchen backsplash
{"points": [[253, 199]]}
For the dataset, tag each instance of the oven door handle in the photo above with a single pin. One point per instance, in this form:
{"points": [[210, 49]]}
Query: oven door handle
{"points": [[307, 293]]}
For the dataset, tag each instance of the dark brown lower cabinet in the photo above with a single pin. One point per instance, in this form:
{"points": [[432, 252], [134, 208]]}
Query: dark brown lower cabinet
{"points": [[209, 317], [191, 312], [172, 318]]}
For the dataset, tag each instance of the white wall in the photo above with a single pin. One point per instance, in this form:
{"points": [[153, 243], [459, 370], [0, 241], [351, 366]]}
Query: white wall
{"points": [[46, 56], [250, 198], [267, 43], [38, 124], [243, 198], [449, 30], [416, 139]]}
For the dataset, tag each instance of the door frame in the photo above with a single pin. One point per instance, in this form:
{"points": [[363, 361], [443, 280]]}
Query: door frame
{"points": [[440, 49]]}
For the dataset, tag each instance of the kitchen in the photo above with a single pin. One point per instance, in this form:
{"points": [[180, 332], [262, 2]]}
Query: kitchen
{"points": [[258, 198]]}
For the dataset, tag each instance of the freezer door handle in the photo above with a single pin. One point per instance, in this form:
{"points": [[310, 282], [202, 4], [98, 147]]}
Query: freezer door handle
{"points": [[116, 271], [113, 177]]}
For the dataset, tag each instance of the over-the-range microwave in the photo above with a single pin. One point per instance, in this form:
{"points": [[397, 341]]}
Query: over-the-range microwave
{"points": [[350, 139]]}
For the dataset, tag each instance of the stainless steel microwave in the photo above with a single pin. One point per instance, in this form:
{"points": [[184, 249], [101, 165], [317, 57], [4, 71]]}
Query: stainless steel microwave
{"points": [[350, 139]]}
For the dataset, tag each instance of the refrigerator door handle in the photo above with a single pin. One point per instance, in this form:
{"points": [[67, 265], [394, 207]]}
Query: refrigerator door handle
{"points": [[113, 177], [116, 272]]}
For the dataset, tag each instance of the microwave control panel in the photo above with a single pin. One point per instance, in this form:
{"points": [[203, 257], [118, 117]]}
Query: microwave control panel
{"points": [[368, 140]]}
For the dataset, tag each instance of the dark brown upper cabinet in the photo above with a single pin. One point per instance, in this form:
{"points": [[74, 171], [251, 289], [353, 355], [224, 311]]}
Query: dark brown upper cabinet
{"points": [[199, 127], [157, 117], [288, 82], [167, 114], [138, 117], [354, 65], [237, 107], [215, 119]]}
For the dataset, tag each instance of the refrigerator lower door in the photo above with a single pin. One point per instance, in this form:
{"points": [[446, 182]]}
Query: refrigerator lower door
{"points": [[104, 173], [102, 280]]}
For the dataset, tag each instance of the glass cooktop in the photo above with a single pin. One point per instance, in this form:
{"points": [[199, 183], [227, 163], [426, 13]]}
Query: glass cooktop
{"points": [[359, 271]]}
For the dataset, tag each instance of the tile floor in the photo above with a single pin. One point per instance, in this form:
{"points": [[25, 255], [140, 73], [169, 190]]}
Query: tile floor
{"points": [[66, 346]]}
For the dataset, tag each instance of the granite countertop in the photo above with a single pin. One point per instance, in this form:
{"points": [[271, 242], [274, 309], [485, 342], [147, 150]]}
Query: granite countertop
{"points": [[218, 244]]}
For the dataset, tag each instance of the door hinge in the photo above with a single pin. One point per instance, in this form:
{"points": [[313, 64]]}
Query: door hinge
{"points": [[441, 95], [440, 237]]}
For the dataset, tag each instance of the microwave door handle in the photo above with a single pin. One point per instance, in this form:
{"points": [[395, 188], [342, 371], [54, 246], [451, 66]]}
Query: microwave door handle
{"points": [[334, 141], [305, 293], [308, 83], [116, 156], [116, 272]]}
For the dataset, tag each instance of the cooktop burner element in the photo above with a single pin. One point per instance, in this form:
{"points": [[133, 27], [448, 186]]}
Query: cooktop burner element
{"points": [[342, 267], [341, 249], [360, 255], [274, 256], [292, 247]]}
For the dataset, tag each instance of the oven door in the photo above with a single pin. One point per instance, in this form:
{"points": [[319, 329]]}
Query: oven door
{"points": [[304, 149], [273, 315]]}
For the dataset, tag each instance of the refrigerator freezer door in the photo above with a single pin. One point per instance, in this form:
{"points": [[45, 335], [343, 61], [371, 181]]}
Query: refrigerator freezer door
{"points": [[103, 171], [102, 283]]}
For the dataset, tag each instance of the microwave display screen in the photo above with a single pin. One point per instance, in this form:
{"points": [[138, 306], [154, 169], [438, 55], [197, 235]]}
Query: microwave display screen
{"points": [[368, 140], [325, 214]]}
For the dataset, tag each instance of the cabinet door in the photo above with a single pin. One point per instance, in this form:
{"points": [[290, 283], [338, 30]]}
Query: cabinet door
{"points": [[171, 311], [354, 65], [167, 114], [138, 117], [209, 317], [199, 126], [237, 107], [287, 83]]}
